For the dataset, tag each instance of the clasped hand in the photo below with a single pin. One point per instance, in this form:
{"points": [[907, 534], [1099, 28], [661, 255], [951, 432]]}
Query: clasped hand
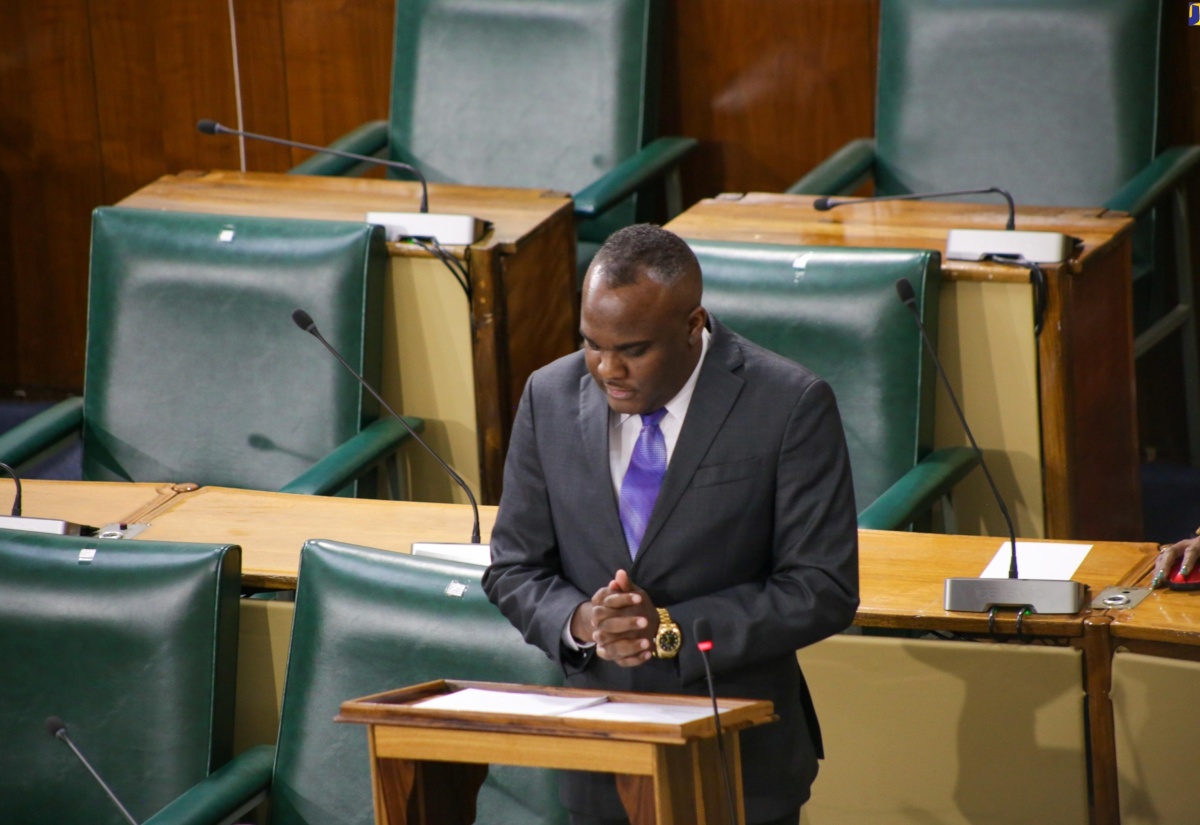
{"points": [[621, 620]]}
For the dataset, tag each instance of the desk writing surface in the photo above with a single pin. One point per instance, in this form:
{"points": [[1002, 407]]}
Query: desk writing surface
{"points": [[774, 218], [902, 576], [515, 214], [91, 503], [1165, 616], [272, 527]]}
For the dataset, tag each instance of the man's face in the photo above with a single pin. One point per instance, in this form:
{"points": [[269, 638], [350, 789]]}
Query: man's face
{"points": [[641, 341]]}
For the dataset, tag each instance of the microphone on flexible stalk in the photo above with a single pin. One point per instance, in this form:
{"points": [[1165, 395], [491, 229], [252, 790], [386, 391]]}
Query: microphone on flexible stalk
{"points": [[982, 595], [1035, 247], [702, 632], [58, 729], [303, 320], [448, 229]]}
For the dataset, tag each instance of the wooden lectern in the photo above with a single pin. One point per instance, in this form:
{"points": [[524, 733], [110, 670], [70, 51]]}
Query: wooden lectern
{"points": [[427, 765]]}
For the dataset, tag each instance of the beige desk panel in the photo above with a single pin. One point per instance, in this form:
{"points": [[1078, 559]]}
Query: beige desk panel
{"points": [[428, 372], [919, 732], [988, 349], [1157, 716]]}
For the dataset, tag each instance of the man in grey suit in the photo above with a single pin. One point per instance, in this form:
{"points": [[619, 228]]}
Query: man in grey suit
{"points": [[673, 471]]}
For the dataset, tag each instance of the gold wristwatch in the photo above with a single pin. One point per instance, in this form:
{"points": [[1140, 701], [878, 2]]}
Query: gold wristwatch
{"points": [[668, 640]]}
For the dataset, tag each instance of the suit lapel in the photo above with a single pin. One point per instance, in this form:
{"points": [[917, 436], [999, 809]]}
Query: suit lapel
{"points": [[717, 389], [593, 424]]}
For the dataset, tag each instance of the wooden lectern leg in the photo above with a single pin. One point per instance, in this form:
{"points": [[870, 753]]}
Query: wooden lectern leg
{"points": [[410, 792], [687, 787]]}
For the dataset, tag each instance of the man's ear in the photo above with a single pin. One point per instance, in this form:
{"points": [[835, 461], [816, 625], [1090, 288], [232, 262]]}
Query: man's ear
{"points": [[697, 321]]}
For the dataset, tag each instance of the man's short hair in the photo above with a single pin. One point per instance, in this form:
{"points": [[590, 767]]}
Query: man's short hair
{"points": [[645, 250]]}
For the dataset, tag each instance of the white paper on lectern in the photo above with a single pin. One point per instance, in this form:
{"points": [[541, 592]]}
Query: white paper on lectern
{"points": [[1038, 560], [501, 701], [642, 712]]}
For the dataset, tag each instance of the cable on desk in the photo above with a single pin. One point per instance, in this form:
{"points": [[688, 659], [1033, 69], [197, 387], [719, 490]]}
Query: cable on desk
{"points": [[1036, 277], [460, 272]]}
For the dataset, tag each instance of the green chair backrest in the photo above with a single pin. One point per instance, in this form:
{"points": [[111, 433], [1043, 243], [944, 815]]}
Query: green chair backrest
{"points": [[135, 650], [542, 93], [368, 621], [835, 311], [195, 370], [1054, 100]]}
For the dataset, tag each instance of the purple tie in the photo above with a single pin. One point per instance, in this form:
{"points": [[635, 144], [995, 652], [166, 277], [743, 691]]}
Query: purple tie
{"points": [[639, 488]]}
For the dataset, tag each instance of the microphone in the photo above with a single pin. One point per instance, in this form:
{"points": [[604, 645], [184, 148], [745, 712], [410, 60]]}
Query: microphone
{"points": [[303, 320], [981, 595], [702, 632], [454, 230], [979, 244], [36, 525], [58, 729]]}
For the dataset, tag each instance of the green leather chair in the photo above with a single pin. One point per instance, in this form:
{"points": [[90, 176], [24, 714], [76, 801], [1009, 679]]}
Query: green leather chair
{"points": [[195, 371], [528, 93], [368, 621], [835, 311], [1054, 100], [136, 650]]}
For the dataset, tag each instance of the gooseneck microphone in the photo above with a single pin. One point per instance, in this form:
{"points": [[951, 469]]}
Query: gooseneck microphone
{"points": [[986, 595], [211, 127], [909, 298], [58, 729], [16, 505], [306, 323], [824, 204], [702, 632]]}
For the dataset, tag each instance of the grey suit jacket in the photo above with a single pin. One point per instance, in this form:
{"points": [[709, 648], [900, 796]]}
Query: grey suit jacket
{"points": [[754, 529]]}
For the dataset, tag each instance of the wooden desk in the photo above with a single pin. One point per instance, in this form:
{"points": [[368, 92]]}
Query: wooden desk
{"points": [[425, 764], [1056, 414], [1155, 682], [460, 368], [272, 527]]}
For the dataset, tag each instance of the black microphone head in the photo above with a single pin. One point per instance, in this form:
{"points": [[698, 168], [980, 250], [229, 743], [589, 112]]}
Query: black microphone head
{"points": [[55, 726], [304, 321], [905, 290], [702, 631], [208, 127], [822, 204]]}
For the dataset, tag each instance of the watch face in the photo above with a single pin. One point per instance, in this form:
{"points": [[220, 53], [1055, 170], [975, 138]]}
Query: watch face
{"points": [[668, 640]]}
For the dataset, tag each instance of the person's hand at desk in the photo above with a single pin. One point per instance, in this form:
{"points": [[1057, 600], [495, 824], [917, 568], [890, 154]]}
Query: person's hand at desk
{"points": [[1188, 550]]}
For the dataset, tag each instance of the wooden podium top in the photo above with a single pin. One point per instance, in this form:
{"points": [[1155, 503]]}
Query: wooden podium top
{"points": [[775, 218], [515, 214], [401, 707]]}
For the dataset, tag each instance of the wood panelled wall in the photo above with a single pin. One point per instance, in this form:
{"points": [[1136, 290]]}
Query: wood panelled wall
{"points": [[99, 97]]}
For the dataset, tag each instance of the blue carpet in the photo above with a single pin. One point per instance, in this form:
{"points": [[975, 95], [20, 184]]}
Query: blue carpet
{"points": [[65, 465]]}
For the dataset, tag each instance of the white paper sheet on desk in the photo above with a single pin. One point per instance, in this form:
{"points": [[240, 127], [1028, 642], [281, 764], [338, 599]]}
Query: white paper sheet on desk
{"points": [[501, 701], [1038, 560], [642, 712]]}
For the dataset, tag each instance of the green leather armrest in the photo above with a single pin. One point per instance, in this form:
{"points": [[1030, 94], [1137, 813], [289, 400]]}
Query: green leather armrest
{"points": [[368, 139], [839, 173], [1155, 181], [351, 459], [225, 794], [652, 162], [918, 489], [31, 438]]}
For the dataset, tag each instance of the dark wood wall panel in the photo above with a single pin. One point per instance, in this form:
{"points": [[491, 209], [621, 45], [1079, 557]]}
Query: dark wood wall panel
{"points": [[50, 177], [771, 87], [328, 93]]}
